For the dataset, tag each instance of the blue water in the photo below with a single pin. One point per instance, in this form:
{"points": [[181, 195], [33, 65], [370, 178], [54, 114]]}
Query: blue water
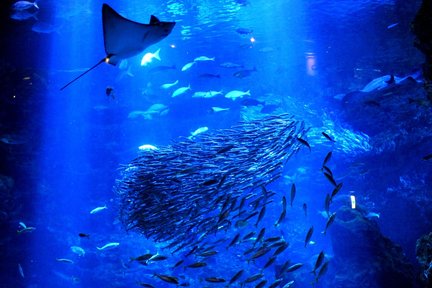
{"points": [[62, 151]]}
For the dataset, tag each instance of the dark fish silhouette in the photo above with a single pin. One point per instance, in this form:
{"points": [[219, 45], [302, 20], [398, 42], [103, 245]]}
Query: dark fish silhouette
{"points": [[124, 38]]}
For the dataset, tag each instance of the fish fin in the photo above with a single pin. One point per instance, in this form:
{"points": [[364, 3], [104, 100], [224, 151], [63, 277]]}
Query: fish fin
{"points": [[156, 55], [154, 20]]}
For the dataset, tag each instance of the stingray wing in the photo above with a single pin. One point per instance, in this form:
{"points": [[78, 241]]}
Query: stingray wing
{"points": [[123, 38]]}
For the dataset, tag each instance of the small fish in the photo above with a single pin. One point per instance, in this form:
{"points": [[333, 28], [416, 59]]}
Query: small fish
{"points": [[24, 15], [244, 31], [236, 276], [261, 284], [169, 85], [250, 250], [327, 204], [293, 193], [207, 94], [78, 250], [327, 158], [260, 215], [24, 5], [276, 283], [148, 57], [261, 252], [199, 131], [147, 147], [178, 263], [204, 58], [187, 66], [84, 235], [244, 73], [142, 284], [336, 190], [283, 268], [304, 142], [209, 75], [270, 262], [253, 278], [392, 25], [210, 182], [45, 27], [109, 92], [289, 284], [249, 235], [294, 267], [197, 265], [260, 235], [427, 157], [219, 109], [248, 102], [318, 262], [234, 240], [215, 280], [372, 215], [327, 170], [26, 230], [64, 260], [305, 209], [281, 218], [98, 209], [192, 251], [330, 179], [167, 278], [230, 65], [278, 244], [322, 271], [234, 94], [329, 222], [309, 235], [273, 239], [207, 253], [156, 257], [328, 137], [280, 249], [180, 91], [109, 246], [20, 270], [225, 149], [142, 258]]}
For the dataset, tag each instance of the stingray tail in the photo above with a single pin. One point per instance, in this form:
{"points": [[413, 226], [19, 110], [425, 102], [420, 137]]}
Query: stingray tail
{"points": [[85, 72]]}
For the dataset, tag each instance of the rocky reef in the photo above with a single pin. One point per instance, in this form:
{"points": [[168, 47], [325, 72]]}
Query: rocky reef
{"points": [[424, 256], [363, 257], [421, 28]]}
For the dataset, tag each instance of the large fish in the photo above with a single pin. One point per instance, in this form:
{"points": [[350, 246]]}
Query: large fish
{"points": [[124, 38]]}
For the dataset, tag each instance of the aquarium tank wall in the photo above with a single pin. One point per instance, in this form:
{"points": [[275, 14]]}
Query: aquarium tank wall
{"points": [[225, 143]]}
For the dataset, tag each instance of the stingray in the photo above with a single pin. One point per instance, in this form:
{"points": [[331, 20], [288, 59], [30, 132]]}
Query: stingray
{"points": [[124, 38]]}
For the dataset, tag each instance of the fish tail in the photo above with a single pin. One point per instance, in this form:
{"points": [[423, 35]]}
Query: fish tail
{"points": [[85, 72], [156, 55]]}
